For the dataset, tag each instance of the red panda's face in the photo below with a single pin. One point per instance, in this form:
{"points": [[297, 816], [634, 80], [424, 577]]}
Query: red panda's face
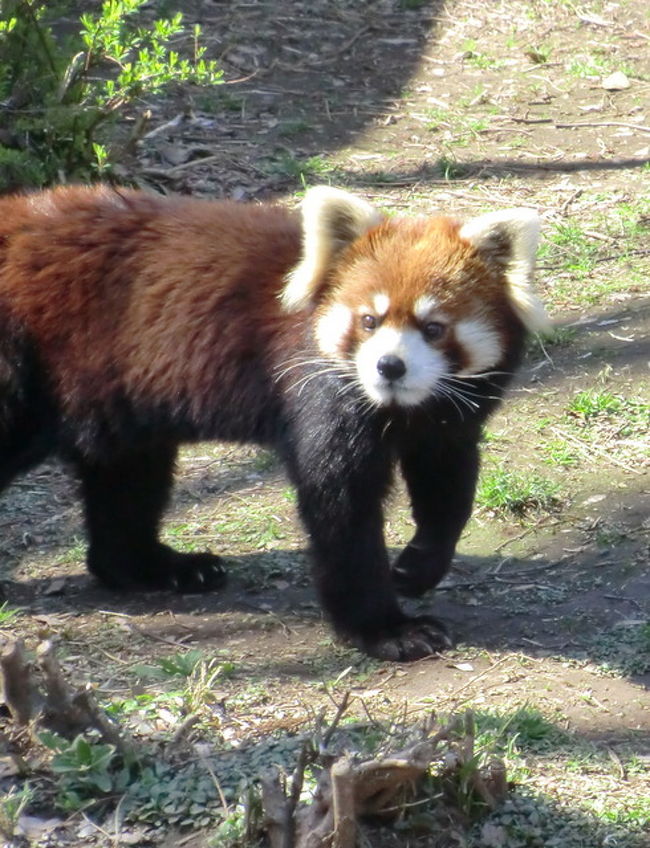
{"points": [[409, 308], [413, 310]]}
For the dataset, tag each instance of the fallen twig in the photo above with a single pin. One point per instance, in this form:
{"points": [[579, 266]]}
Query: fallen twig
{"points": [[626, 125]]}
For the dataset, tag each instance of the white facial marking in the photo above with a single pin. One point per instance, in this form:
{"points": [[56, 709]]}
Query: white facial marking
{"points": [[332, 327], [381, 302], [481, 343], [424, 367], [424, 306]]}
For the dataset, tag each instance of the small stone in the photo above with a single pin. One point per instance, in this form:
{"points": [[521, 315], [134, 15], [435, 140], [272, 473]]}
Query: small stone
{"points": [[615, 82]]}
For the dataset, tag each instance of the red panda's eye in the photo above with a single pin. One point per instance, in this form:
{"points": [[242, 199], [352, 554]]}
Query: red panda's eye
{"points": [[368, 322], [434, 330]]}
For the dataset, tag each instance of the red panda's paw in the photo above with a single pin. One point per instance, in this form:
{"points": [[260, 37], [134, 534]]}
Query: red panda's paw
{"points": [[410, 639], [416, 570], [159, 568], [193, 573]]}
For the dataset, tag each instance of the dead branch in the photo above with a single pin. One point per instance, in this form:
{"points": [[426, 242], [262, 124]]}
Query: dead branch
{"points": [[17, 689], [274, 804], [47, 700], [349, 790], [343, 804]]}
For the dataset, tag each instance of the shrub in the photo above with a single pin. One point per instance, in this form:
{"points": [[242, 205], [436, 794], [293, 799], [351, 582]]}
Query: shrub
{"points": [[58, 92]]}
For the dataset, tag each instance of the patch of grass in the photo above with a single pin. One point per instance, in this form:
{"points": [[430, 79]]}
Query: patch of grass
{"points": [[591, 65], [438, 118], [634, 812], [478, 95], [525, 729], [559, 337], [76, 553], [607, 535], [288, 129], [631, 220], [452, 170], [625, 649], [480, 60], [12, 806], [213, 101], [515, 493], [568, 248], [265, 460], [8, 615], [460, 130], [591, 403], [288, 165], [560, 453], [257, 530], [599, 406], [539, 54]]}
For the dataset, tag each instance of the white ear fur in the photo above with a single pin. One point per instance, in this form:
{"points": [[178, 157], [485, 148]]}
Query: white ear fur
{"points": [[331, 220], [511, 236]]}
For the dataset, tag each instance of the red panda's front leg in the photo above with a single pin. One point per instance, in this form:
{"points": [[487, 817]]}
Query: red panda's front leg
{"points": [[440, 475], [340, 501]]}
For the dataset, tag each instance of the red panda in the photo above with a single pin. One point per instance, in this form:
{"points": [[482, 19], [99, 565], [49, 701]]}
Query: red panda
{"points": [[351, 342]]}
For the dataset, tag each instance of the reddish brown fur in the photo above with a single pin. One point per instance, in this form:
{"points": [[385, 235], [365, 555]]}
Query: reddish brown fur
{"points": [[409, 258], [134, 275], [412, 257]]}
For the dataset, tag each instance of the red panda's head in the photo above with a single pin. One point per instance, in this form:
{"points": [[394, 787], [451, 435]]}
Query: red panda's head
{"points": [[407, 304]]}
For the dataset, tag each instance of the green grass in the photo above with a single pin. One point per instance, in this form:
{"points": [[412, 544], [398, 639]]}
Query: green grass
{"points": [[515, 493], [560, 453], [589, 66], [475, 57], [288, 129], [288, 165], [591, 404], [625, 649], [8, 615], [568, 248], [630, 415]]}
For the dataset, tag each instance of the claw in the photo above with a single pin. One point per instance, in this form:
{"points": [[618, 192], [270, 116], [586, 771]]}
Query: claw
{"points": [[411, 639]]}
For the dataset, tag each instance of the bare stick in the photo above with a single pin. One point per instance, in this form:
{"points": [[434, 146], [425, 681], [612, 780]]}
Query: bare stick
{"points": [[274, 804], [16, 682], [92, 715], [628, 126], [57, 691], [343, 805], [342, 707], [297, 779]]}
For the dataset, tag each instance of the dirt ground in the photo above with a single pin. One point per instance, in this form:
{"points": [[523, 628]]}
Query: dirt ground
{"points": [[419, 106]]}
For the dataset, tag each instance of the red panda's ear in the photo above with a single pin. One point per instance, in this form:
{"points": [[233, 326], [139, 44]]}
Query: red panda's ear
{"points": [[331, 220], [510, 238]]}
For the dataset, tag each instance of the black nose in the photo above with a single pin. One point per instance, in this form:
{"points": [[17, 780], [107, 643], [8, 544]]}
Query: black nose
{"points": [[391, 367]]}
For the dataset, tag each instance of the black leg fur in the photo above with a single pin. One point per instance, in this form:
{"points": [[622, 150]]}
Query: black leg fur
{"points": [[124, 502], [342, 474], [441, 479]]}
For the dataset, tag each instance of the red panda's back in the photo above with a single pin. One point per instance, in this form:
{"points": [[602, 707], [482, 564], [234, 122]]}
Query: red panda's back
{"points": [[126, 291]]}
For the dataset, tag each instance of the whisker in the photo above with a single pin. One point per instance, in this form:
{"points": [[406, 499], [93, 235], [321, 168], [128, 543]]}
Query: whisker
{"points": [[300, 384], [469, 394], [283, 369], [460, 394]]}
